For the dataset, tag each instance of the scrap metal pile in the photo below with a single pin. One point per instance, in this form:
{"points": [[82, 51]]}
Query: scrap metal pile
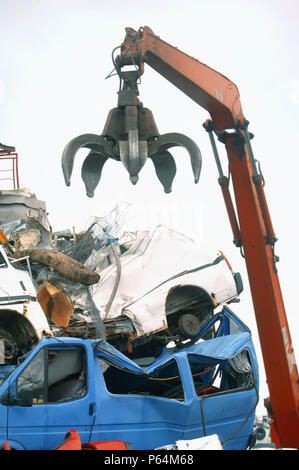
{"points": [[139, 290]]}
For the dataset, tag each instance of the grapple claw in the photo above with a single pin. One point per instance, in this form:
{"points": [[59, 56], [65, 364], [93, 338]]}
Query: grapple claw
{"points": [[130, 135], [91, 141], [166, 141], [92, 170], [133, 154], [165, 169]]}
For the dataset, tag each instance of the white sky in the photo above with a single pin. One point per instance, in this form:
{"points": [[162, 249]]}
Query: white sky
{"points": [[55, 55]]}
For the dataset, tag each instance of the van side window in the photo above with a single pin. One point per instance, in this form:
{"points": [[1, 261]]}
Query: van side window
{"points": [[54, 375], [66, 375], [164, 382], [238, 372], [219, 376]]}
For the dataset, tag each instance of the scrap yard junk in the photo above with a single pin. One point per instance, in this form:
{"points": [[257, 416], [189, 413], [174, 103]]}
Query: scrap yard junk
{"points": [[139, 290], [202, 388], [105, 316]]}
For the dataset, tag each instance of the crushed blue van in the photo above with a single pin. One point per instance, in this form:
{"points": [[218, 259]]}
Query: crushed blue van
{"points": [[198, 388]]}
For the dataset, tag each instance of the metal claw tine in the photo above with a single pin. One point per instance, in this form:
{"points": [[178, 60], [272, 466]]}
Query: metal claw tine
{"points": [[92, 170], [133, 154], [174, 139], [165, 169], [93, 141]]}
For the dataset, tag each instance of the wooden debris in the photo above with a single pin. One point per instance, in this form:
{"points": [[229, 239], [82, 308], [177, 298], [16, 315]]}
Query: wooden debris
{"points": [[65, 265]]}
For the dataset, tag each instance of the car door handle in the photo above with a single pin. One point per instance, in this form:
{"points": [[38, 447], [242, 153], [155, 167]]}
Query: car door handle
{"points": [[92, 409]]}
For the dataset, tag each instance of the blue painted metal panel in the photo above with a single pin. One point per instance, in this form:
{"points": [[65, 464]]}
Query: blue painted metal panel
{"points": [[145, 421], [44, 425], [225, 414]]}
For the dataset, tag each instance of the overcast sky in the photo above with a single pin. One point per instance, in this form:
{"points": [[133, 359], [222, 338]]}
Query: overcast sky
{"points": [[55, 55]]}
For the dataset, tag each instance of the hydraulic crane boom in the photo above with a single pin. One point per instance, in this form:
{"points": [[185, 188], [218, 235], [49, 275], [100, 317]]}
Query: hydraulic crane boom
{"points": [[131, 136], [252, 227]]}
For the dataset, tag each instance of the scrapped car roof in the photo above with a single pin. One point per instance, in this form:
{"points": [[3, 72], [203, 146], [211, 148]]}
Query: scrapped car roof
{"points": [[217, 349]]}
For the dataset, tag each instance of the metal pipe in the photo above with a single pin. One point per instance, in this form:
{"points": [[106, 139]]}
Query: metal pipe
{"points": [[117, 279]]}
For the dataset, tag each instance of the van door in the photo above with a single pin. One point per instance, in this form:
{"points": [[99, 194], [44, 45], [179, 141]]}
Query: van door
{"points": [[226, 397], [49, 397], [146, 410]]}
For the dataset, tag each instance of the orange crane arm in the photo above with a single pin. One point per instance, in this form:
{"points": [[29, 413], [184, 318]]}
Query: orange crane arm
{"points": [[208, 88], [252, 226]]}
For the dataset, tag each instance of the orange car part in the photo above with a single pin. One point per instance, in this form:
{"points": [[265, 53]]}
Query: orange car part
{"points": [[3, 238], [5, 446], [72, 441], [252, 227]]}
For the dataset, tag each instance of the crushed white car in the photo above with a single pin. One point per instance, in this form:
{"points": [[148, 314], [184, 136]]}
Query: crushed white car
{"points": [[163, 284], [22, 320]]}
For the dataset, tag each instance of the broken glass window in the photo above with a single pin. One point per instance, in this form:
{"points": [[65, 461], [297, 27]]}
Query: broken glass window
{"points": [[165, 382], [214, 376], [239, 371]]}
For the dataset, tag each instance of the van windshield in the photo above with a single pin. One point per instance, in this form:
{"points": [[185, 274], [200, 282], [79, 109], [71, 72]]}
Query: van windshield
{"points": [[5, 372]]}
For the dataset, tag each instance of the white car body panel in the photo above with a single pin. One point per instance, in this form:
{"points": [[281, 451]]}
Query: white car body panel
{"points": [[148, 273], [17, 293]]}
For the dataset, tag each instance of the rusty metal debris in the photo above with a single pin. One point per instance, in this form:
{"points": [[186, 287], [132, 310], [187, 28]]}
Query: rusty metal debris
{"points": [[55, 303]]}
